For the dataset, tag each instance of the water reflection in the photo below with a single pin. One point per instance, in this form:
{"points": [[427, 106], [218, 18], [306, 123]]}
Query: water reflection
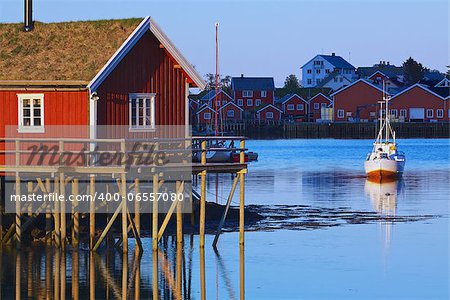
{"points": [[383, 196], [47, 273]]}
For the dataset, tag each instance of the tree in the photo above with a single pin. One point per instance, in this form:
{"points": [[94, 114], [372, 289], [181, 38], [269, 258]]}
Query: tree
{"points": [[413, 71], [224, 82], [291, 83]]}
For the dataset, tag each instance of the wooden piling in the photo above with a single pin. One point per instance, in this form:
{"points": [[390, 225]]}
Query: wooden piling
{"points": [[92, 212], [155, 214], [241, 194], [75, 214], [179, 190], [18, 234], [202, 196], [62, 208], [124, 214], [57, 214], [48, 216], [137, 207]]}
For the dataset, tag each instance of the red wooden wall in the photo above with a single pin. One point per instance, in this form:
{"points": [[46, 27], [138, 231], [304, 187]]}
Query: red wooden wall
{"points": [[147, 68]]}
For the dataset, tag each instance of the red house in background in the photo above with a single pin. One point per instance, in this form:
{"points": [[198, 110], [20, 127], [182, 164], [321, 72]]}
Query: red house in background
{"points": [[252, 92], [141, 84], [206, 115], [316, 104], [231, 112], [356, 102], [418, 103], [210, 97], [269, 113], [294, 107]]}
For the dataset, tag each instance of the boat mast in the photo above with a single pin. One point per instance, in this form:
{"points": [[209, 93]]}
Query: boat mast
{"points": [[216, 124]]}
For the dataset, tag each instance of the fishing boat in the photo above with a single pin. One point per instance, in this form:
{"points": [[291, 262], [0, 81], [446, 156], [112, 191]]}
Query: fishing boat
{"points": [[385, 161]]}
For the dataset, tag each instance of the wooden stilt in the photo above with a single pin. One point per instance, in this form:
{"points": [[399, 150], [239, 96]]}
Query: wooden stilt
{"points": [[57, 214], [75, 276], [91, 276], [155, 290], [124, 214], [30, 275], [18, 271], [227, 207], [63, 275], [137, 207], [57, 275], [76, 215], [179, 264], [155, 214], [124, 275], [107, 228], [202, 208], [241, 194], [30, 192], [92, 213], [48, 216], [180, 191], [48, 272], [62, 208], [18, 213], [202, 274], [241, 272], [137, 278]]}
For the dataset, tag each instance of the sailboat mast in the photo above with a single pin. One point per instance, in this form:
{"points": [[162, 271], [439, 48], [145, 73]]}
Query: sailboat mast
{"points": [[216, 124]]}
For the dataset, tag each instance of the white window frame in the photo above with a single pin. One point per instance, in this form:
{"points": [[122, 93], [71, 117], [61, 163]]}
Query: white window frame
{"points": [[403, 112], [269, 113], [207, 115], [428, 113], [323, 105], [394, 113], [230, 113], [247, 93], [300, 107], [30, 129], [249, 102], [263, 93], [240, 102], [340, 113], [290, 107], [316, 105], [152, 125], [257, 102], [439, 113]]}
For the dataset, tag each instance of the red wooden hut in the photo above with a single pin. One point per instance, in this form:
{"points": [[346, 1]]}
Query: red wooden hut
{"points": [[110, 72]]}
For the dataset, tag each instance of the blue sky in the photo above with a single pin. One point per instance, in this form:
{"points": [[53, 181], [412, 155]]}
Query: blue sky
{"points": [[274, 38]]}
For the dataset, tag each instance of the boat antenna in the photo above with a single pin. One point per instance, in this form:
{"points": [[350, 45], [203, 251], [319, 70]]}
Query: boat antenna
{"points": [[217, 80]]}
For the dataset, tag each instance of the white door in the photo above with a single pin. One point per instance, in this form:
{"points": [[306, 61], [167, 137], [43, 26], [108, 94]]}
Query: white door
{"points": [[417, 113]]}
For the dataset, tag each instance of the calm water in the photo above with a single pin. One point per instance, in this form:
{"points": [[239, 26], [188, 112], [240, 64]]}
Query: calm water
{"points": [[379, 260]]}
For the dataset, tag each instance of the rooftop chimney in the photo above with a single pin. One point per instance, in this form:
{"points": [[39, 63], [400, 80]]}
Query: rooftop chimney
{"points": [[333, 54], [28, 15], [242, 75]]}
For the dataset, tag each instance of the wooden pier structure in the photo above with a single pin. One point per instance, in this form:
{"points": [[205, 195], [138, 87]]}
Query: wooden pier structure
{"points": [[63, 226]]}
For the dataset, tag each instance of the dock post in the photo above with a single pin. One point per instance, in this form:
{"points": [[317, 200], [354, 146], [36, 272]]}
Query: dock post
{"points": [[124, 214], [179, 190], [203, 196], [57, 214], [76, 215], [30, 192], [137, 207], [48, 216], [18, 213], [92, 213], [241, 193], [62, 208], [62, 187], [155, 213]]}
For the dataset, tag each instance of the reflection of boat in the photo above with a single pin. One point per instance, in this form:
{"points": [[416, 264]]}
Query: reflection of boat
{"points": [[383, 195], [385, 161]]}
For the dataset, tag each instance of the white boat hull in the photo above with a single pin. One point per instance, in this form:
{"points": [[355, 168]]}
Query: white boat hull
{"points": [[384, 168]]}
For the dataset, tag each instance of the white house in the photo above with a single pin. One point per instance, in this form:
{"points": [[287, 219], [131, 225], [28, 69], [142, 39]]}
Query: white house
{"points": [[322, 66]]}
